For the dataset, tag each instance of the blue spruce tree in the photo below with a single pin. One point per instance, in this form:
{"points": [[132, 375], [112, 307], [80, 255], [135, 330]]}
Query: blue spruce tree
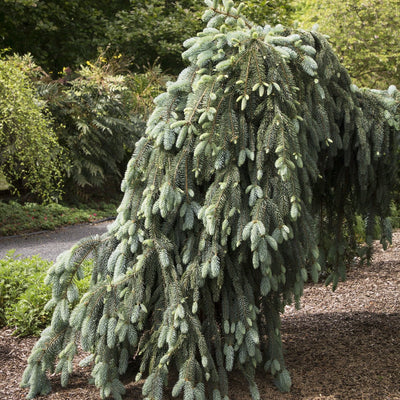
{"points": [[253, 167]]}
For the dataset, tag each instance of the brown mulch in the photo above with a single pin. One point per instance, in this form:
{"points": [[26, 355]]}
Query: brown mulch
{"points": [[342, 345]]}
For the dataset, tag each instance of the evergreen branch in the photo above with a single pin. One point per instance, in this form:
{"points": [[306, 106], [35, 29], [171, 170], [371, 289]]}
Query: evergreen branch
{"points": [[226, 14], [197, 105]]}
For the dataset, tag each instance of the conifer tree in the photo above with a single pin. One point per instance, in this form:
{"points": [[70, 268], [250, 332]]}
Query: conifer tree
{"points": [[253, 166]]}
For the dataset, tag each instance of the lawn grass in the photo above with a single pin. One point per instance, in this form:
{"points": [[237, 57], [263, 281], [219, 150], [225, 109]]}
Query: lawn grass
{"points": [[16, 218]]}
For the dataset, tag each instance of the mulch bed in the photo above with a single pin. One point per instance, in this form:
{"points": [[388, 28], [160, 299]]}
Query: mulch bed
{"points": [[342, 345]]}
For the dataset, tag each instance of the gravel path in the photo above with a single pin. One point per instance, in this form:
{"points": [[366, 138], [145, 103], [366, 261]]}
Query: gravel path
{"points": [[49, 244]]}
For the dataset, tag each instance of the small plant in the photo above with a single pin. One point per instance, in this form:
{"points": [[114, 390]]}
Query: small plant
{"points": [[395, 215], [16, 277], [24, 295], [28, 316], [143, 88], [393, 219]]}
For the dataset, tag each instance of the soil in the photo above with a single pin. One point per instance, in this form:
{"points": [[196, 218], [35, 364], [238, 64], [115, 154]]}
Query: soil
{"points": [[342, 345]]}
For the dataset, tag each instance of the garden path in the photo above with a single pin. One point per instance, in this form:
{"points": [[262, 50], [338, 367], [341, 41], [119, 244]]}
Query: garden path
{"points": [[49, 244]]}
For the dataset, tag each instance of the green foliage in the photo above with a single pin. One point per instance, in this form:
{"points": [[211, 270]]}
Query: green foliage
{"points": [[23, 294], [254, 164], [3, 182], [394, 219], [395, 215], [62, 34], [16, 218], [270, 11], [32, 3], [57, 33], [94, 124], [364, 34], [20, 278], [153, 31], [92, 117], [143, 88], [29, 152]]}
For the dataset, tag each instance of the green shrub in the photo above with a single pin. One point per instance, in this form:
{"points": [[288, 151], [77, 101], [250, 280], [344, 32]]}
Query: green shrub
{"points": [[28, 315], [57, 33], [270, 11], [17, 276], [143, 88], [99, 113], [364, 34], [94, 116], [23, 293], [94, 126], [395, 215], [3, 182], [394, 220], [154, 31], [29, 151]]}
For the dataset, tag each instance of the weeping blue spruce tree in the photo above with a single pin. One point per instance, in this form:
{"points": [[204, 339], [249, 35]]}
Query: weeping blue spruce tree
{"points": [[253, 167]]}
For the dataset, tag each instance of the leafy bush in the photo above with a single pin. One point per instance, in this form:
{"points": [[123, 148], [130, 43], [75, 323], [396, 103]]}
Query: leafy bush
{"points": [[270, 11], [94, 125], [394, 220], [19, 218], [3, 182], [19, 280], [363, 33], [62, 34], [23, 293], [93, 117], [57, 33], [12, 283], [151, 31], [29, 151], [28, 316]]}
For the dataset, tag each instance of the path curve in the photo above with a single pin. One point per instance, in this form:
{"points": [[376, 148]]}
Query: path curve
{"points": [[49, 244]]}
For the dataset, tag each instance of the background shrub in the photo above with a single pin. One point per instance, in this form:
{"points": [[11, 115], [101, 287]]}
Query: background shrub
{"points": [[93, 125], [99, 113], [29, 150], [151, 31], [57, 33], [364, 34]]}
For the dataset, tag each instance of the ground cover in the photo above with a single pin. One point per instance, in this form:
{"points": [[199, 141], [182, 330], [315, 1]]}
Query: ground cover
{"points": [[17, 218]]}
